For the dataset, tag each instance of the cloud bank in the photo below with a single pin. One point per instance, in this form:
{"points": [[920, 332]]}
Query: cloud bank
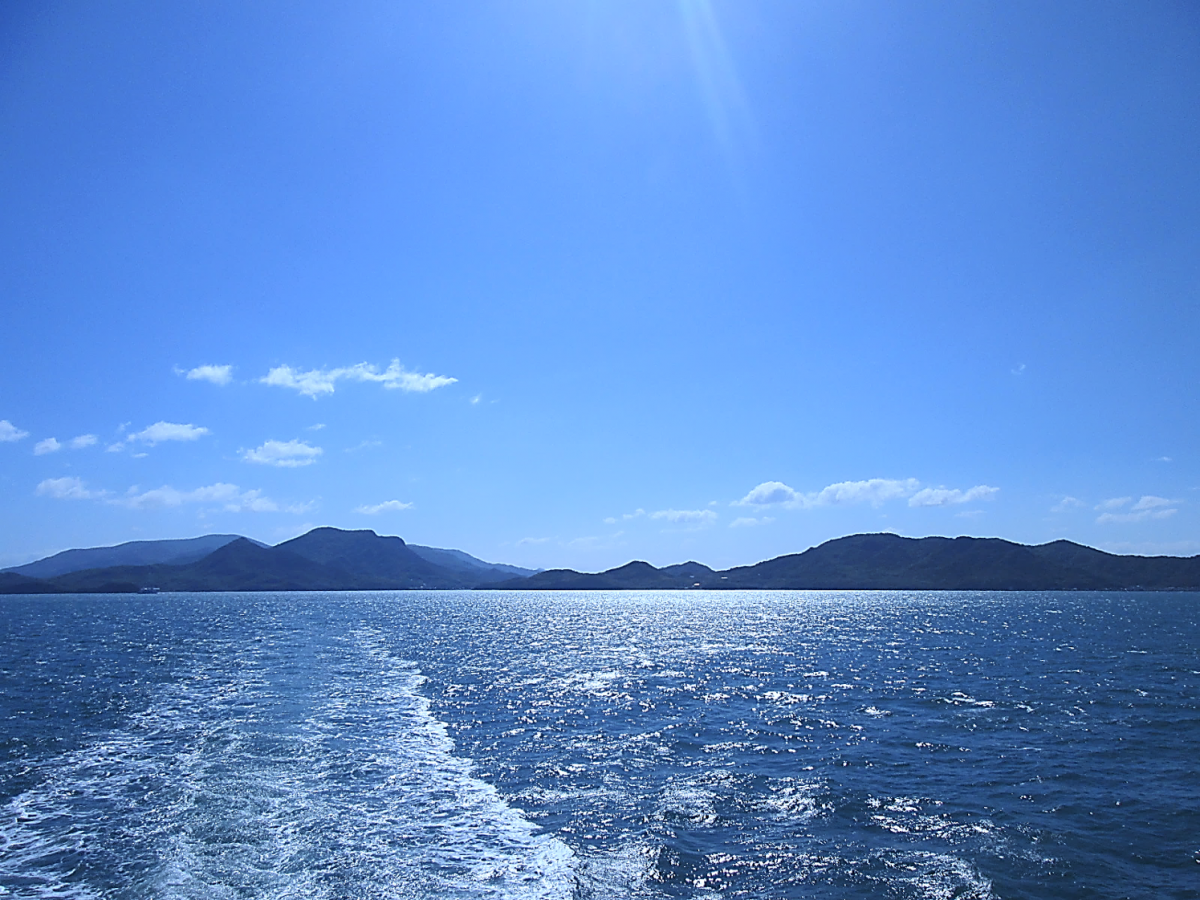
{"points": [[315, 382]]}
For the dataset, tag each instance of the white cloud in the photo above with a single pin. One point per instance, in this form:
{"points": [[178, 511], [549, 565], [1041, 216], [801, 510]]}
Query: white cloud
{"points": [[769, 493], [385, 506], [694, 517], [286, 454], [67, 489], [874, 491], [530, 541], [52, 445], [1148, 507], [10, 432], [316, 427], [1067, 503], [946, 496], [215, 374], [314, 382], [168, 431]]}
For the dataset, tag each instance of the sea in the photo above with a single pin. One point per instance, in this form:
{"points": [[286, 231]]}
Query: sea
{"points": [[600, 745]]}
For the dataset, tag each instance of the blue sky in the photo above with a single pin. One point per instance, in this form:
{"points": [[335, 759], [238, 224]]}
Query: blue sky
{"points": [[569, 284]]}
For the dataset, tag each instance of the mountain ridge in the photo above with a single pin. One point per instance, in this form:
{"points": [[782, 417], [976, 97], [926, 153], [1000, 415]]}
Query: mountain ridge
{"points": [[332, 559], [129, 553]]}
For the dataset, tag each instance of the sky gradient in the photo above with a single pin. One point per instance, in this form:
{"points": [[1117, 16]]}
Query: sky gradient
{"points": [[569, 284]]}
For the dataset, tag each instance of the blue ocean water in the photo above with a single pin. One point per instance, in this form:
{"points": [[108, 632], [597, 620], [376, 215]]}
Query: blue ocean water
{"points": [[558, 745]]}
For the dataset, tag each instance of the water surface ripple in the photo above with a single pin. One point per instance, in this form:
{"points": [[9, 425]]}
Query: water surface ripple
{"points": [[600, 745]]}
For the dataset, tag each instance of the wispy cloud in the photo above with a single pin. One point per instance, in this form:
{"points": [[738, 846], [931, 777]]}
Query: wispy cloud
{"points": [[286, 454], [67, 489], [636, 514], [228, 497], [696, 518], [533, 541], [873, 491], [1067, 503], [49, 445], [215, 374], [1148, 507], [10, 432], [160, 432], [82, 441], [750, 522], [315, 382], [385, 506], [945, 496]]}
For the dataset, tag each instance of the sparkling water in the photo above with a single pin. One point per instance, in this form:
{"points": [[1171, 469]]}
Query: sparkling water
{"points": [[600, 745]]}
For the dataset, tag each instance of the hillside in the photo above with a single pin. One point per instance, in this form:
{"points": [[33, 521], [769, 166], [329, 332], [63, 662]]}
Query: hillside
{"points": [[132, 553], [891, 562], [330, 559]]}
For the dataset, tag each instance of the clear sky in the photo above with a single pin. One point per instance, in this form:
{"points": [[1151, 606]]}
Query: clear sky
{"points": [[569, 284]]}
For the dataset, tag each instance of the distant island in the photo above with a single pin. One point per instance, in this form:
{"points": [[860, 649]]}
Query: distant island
{"points": [[330, 559]]}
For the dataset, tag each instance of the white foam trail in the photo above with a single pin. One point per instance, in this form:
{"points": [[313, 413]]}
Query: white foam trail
{"points": [[234, 785]]}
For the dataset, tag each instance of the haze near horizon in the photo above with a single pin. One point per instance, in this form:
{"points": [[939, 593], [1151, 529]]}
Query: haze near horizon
{"points": [[564, 285]]}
